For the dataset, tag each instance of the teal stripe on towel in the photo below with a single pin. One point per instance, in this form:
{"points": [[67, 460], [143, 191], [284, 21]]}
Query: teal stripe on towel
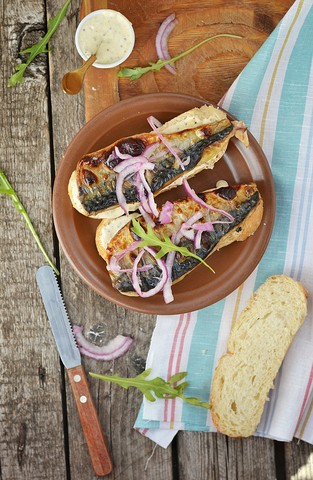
{"points": [[285, 156], [249, 83]]}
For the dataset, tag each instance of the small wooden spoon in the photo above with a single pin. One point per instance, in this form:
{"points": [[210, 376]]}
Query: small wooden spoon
{"points": [[72, 81]]}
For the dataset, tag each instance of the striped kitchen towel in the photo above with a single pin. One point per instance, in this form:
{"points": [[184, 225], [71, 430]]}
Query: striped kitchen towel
{"points": [[274, 96]]}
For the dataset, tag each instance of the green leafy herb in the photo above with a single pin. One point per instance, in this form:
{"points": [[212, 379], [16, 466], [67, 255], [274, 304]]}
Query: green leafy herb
{"points": [[7, 189], [137, 72], [156, 387], [165, 245], [39, 47]]}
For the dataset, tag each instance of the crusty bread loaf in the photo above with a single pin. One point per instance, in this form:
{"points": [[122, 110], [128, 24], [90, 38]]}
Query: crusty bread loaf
{"points": [[257, 345]]}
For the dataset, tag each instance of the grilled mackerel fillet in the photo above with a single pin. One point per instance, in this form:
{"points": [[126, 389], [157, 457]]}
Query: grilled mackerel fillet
{"points": [[199, 136], [243, 202]]}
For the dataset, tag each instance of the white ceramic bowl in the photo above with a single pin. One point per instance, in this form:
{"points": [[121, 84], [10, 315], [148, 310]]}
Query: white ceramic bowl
{"points": [[115, 18]]}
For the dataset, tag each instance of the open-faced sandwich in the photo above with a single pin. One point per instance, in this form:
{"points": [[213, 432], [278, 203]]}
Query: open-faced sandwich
{"points": [[146, 256], [129, 173]]}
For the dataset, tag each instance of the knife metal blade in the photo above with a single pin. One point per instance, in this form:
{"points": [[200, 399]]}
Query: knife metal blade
{"points": [[58, 317], [70, 356]]}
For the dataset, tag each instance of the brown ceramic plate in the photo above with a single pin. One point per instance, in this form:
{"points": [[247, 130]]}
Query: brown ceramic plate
{"points": [[200, 288]]}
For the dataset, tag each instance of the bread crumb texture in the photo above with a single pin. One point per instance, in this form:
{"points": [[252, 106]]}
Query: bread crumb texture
{"points": [[257, 345]]}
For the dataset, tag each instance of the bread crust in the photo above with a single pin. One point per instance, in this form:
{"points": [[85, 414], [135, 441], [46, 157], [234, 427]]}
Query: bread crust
{"points": [[257, 345]]}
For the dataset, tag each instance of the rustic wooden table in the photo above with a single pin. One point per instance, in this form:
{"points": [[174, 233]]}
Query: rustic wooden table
{"points": [[40, 434]]}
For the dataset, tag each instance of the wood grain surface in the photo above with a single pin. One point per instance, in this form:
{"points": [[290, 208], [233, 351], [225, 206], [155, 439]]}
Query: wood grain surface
{"points": [[40, 431]]}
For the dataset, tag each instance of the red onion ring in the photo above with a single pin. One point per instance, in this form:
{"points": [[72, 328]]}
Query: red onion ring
{"points": [[115, 348], [186, 161], [131, 247], [135, 280], [123, 156], [185, 227], [141, 194], [140, 160], [192, 194], [200, 228], [150, 149], [165, 215], [161, 41], [151, 201], [127, 171], [152, 122], [132, 168], [114, 267]]}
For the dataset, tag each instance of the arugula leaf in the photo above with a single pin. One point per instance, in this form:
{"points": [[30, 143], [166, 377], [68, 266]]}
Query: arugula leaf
{"points": [[39, 47], [137, 72], [150, 239], [156, 387], [7, 189]]}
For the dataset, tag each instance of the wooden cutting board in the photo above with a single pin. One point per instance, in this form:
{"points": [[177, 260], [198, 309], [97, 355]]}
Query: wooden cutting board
{"points": [[207, 72]]}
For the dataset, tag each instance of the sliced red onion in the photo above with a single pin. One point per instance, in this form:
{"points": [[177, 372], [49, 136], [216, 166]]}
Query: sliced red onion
{"points": [[156, 122], [146, 217], [115, 348], [187, 232], [135, 279], [152, 122], [186, 161], [115, 267], [192, 194], [151, 201], [131, 248], [149, 150], [167, 289], [200, 228], [204, 227], [123, 156], [140, 160], [161, 40], [166, 213], [194, 218], [154, 158], [141, 194], [184, 230], [126, 172]]}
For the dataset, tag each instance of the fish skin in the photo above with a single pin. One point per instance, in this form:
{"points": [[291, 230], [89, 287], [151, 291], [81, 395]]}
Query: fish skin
{"points": [[238, 200], [96, 178]]}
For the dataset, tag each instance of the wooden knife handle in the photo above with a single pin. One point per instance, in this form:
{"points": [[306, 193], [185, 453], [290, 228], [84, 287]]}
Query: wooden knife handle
{"points": [[96, 443]]}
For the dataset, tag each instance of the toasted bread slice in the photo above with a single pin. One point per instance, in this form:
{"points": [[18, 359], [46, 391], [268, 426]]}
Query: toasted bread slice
{"points": [[257, 345], [200, 138], [115, 235]]}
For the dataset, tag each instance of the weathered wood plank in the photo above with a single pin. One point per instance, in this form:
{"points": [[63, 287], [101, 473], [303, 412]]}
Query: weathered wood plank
{"points": [[299, 460], [31, 432], [215, 457], [117, 408], [209, 71], [100, 86]]}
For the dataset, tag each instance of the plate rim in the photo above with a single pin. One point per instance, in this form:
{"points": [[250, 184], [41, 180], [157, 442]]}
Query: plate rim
{"points": [[77, 264]]}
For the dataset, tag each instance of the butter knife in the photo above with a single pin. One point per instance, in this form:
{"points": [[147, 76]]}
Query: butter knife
{"points": [[70, 356]]}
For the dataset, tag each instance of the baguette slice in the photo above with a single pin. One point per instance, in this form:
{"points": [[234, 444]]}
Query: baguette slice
{"points": [[257, 345], [114, 236], [201, 137]]}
